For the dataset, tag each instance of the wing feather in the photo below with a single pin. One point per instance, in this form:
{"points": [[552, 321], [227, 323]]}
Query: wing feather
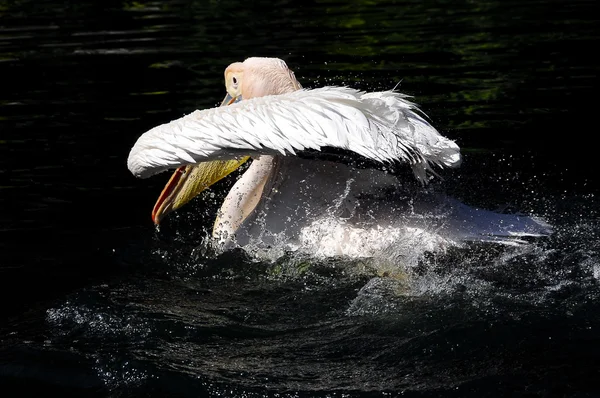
{"points": [[383, 126]]}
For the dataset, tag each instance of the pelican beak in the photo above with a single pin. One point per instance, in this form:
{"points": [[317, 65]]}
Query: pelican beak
{"points": [[228, 100], [189, 181]]}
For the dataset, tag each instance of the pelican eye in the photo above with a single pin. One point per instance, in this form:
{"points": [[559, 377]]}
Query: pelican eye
{"points": [[234, 80]]}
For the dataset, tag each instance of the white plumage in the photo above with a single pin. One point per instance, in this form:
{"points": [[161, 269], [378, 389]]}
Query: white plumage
{"points": [[382, 126], [326, 207]]}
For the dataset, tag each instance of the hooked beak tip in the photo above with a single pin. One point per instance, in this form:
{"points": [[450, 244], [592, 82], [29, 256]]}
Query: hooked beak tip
{"points": [[164, 204], [155, 218]]}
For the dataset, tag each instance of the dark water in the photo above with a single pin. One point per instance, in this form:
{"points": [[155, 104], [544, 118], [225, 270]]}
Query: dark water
{"points": [[96, 302]]}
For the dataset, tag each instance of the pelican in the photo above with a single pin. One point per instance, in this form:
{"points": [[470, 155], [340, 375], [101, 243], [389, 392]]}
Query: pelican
{"points": [[287, 197]]}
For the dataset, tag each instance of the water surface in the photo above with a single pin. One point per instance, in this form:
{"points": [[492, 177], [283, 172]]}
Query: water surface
{"points": [[97, 302]]}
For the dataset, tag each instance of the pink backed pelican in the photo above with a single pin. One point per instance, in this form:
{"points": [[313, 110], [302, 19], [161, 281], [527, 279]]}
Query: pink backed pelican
{"points": [[269, 118]]}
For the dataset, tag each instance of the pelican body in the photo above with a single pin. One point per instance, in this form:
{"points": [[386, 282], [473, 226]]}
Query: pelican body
{"points": [[268, 117]]}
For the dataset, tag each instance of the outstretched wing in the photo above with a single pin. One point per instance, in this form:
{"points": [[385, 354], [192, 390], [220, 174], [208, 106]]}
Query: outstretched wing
{"points": [[382, 126]]}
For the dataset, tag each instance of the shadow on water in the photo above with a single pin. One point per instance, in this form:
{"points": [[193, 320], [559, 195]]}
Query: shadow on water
{"points": [[97, 302]]}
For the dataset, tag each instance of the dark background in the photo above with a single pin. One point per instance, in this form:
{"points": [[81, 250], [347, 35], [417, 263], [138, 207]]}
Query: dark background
{"points": [[513, 82]]}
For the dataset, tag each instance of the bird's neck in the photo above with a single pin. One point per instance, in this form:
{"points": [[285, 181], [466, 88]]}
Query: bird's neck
{"points": [[243, 197]]}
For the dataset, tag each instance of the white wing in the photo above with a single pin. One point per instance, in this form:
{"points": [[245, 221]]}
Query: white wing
{"points": [[382, 126]]}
